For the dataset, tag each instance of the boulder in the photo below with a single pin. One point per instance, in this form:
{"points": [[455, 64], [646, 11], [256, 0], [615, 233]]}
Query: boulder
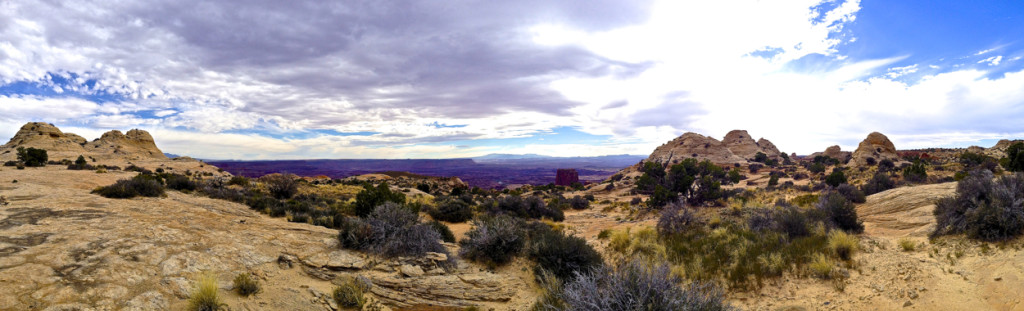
{"points": [[135, 145], [876, 146]]}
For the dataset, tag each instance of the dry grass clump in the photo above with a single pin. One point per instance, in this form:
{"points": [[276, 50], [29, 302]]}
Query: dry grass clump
{"points": [[204, 296], [907, 245], [842, 244], [821, 266], [350, 293]]}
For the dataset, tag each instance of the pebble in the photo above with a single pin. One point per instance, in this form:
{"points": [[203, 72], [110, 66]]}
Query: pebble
{"points": [[999, 278]]}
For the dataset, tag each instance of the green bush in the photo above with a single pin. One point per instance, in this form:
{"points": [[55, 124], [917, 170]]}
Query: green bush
{"points": [[816, 168], [579, 203], [1014, 158], [494, 240], [245, 284], [32, 157], [878, 183], [562, 255], [840, 212], [371, 197], [851, 193], [141, 185], [239, 180], [530, 207], [836, 178], [181, 183], [915, 172], [452, 210]]}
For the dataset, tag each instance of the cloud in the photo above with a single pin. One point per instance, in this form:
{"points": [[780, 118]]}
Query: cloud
{"points": [[269, 79]]}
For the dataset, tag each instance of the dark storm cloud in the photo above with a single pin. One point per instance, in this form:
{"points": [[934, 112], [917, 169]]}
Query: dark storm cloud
{"points": [[460, 59]]}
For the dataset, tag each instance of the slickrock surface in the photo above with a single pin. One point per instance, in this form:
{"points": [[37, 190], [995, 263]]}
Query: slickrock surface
{"points": [[62, 248]]}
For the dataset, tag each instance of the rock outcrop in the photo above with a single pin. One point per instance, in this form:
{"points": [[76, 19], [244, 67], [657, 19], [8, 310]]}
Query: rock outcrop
{"points": [[876, 146], [736, 147], [566, 177], [135, 145], [999, 150], [834, 152]]}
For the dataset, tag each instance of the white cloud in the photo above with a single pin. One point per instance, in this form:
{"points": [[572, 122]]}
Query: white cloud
{"points": [[992, 61], [897, 72]]}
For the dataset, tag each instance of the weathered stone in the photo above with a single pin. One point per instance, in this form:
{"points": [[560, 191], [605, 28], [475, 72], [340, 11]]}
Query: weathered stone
{"points": [[737, 147], [137, 144], [286, 261], [876, 146], [151, 300], [410, 270]]}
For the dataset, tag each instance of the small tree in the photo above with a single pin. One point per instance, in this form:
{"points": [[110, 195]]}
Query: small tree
{"points": [[915, 172], [32, 157], [1015, 158], [836, 178], [281, 186], [80, 163], [371, 197]]}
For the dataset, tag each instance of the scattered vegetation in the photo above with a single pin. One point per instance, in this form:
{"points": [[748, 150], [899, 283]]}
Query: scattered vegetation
{"points": [[878, 183], [441, 228], [391, 230], [1014, 160], [839, 211], [836, 178], [697, 183], [984, 208], [844, 245], [281, 186], [916, 172], [245, 284]]}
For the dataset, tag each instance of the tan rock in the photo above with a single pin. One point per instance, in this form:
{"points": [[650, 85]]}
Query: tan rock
{"points": [[876, 146], [135, 145], [737, 147]]}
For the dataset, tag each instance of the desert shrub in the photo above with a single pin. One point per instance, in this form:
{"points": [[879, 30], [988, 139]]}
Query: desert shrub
{"points": [[604, 234], [181, 183], [563, 255], [32, 157], [760, 157], [245, 284], [886, 165], [915, 172], [350, 293], [529, 207], [239, 181], [983, 208], [1014, 158], [281, 186], [821, 266], [754, 168], [805, 200], [793, 221], [839, 211], [370, 197], [130, 188], [204, 295], [634, 285], [11, 163], [443, 230], [800, 176], [773, 180], [589, 197], [423, 187], [851, 193], [871, 161], [452, 210], [80, 163], [842, 244], [836, 178], [816, 168], [494, 240], [579, 203], [677, 218], [735, 176], [878, 183], [907, 245], [390, 231]]}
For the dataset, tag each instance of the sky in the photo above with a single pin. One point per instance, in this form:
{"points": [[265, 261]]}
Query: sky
{"points": [[441, 79]]}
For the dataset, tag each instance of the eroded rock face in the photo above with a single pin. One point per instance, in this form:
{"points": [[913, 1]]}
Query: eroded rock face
{"points": [[999, 150], [736, 147], [566, 177], [876, 146], [834, 152], [135, 145]]}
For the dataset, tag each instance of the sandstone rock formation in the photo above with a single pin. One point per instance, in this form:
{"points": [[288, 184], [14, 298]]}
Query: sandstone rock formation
{"points": [[999, 150], [566, 177], [135, 145], [736, 147], [876, 146], [834, 152]]}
